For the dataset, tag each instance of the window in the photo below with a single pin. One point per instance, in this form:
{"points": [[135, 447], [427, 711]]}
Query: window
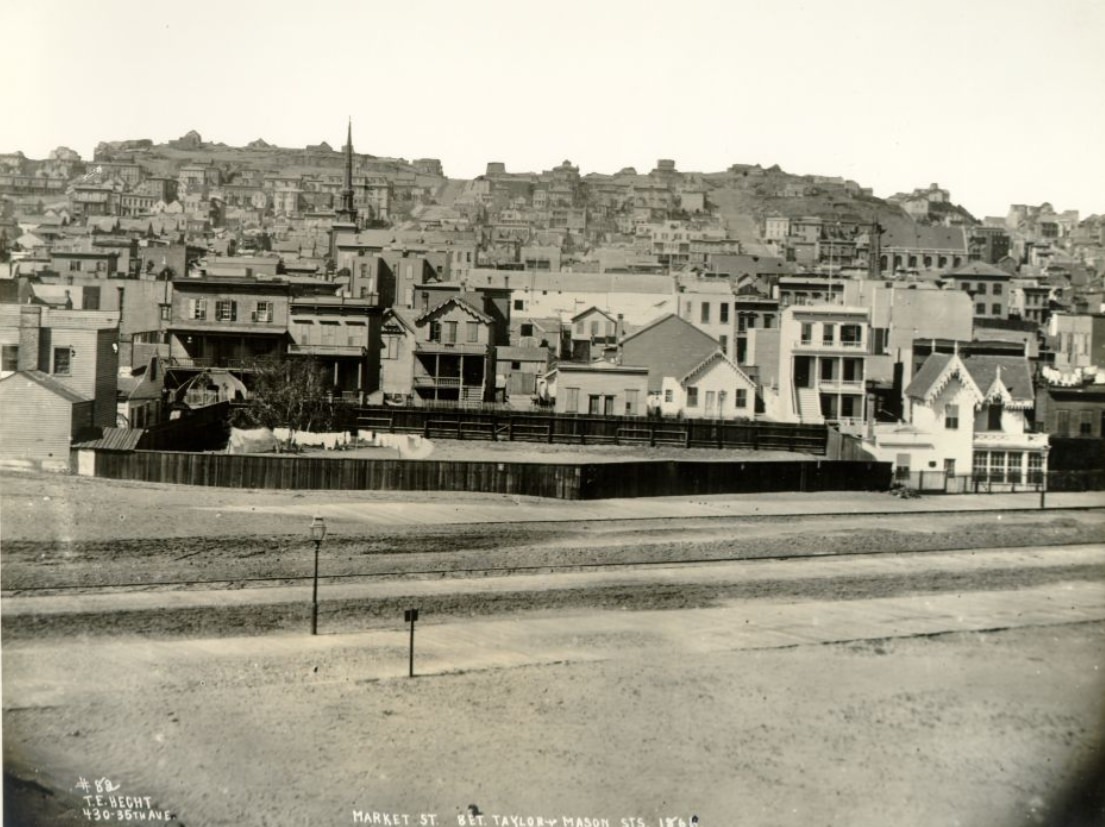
{"points": [[515, 365], [1062, 423], [807, 333], [997, 290], [949, 467], [828, 334], [1085, 425], [995, 310], [668, 395], [593, 404], [1035, 468], [198, 309], [769, 321], [980, 309], [74, 266], [449, 333], [705, 312], [263, 312], [981, 288], [827, 370], [723, 311], [710, 401], [853, 370], [978, 467], [594, 329], [435, 331], [518, 304], [226, 310], [10, 358], [62, 356], [742, 398], [391, 347], [473, 331], [742, 322], [571, 400], [608, 405], [90, 298], [966, 286], [997, 466], [1013, 466], [849, 406], [993, 417], [527, 330], [951, 417], [165, 312], [851, 335], [579, 328], [723, 343], [692, 397]]}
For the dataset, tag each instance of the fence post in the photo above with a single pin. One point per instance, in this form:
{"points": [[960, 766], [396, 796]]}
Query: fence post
{"points": [[921, 482]]}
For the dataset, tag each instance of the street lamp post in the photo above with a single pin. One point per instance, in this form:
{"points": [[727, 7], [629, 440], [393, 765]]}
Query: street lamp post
{"points": [[317, 530]]}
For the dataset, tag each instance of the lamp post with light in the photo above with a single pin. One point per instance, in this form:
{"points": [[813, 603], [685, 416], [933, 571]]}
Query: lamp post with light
{"points": [[317, 530]]}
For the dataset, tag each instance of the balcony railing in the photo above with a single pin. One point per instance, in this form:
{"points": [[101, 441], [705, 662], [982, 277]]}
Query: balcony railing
{"points": [[325, 350], [426, 381], [815, 344], [1007, 440]]}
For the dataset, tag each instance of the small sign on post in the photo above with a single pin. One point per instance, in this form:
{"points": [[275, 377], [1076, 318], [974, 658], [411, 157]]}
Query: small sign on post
{"points": [[410, 616]]}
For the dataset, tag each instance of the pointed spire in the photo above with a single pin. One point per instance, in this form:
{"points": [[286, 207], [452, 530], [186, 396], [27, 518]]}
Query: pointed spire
{"points": [[348, 212]]}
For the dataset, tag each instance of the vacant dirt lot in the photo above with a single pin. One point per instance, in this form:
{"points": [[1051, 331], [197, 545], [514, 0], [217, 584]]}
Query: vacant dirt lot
{"points": [[965, 728]]}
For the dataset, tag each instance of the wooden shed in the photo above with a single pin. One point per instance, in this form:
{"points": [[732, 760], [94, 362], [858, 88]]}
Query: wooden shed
{"points": [[39, 420]]}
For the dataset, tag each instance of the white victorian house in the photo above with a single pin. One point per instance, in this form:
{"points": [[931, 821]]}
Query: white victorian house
{"points": [[966, 415]]}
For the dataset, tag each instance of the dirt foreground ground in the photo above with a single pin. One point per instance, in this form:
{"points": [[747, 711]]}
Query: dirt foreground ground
{"points": [[633, 729]]}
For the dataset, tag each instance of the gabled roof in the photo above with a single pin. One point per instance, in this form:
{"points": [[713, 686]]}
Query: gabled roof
{"points": [[402, 316], [1003, 378], [711, 359], [935, 374], [458, 302], [49, 383], [670, 346], [589, 311]]}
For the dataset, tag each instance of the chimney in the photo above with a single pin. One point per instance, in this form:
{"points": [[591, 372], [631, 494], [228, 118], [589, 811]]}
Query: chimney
{"points": [[30, 331]]}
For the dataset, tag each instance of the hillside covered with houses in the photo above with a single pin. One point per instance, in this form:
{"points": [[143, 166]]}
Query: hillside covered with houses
{"points": [[151, 281]]}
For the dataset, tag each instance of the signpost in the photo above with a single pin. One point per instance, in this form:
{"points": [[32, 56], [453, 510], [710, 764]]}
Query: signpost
{"points": [[410, 616]]}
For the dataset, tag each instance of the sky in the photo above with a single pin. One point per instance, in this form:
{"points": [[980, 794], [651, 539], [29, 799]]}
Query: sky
{"points": [[998, 101]]}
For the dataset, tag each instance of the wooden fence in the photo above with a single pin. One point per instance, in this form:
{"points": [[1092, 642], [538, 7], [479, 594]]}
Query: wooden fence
{"points": [[585, 481], [593, 430]]}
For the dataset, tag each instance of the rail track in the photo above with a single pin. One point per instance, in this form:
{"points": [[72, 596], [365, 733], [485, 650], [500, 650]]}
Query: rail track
{"points": [[234, 583]]}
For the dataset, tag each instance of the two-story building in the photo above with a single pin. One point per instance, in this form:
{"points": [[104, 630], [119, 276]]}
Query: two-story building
{"points": [[968, 416], [74, 348], [813, 367], [343, 335], [454, 354], [227, 322], [988, 287]]}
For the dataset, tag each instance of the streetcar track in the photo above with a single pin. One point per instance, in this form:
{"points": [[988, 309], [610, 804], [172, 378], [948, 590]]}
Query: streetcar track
{"points": [[228, 583]]}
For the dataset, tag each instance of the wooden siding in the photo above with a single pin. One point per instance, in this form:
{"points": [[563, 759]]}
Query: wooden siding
{"points": [[561, 481], [37, 426]]}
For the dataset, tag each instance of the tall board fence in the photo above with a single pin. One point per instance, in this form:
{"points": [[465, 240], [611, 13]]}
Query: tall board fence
{"points": [[582, 481], [582, 429]]}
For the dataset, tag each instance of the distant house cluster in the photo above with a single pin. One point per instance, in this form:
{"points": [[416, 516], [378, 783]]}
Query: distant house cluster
{"points": [[153, 280]]}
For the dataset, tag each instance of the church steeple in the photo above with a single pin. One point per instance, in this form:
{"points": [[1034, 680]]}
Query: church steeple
{"points": [[348, 212]]}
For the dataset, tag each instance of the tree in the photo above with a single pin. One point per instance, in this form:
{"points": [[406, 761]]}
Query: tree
{"points": [[288, 393]]}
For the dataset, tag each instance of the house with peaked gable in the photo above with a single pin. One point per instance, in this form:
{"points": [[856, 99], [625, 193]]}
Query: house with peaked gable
{"points": [[588, 333], [42, 417], [454, 354], [688, 375], [967, 415]]}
